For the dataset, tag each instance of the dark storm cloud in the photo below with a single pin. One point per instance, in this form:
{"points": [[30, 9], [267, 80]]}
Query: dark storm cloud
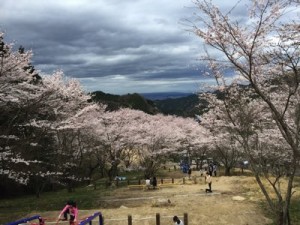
{"points": [[108, 41]]}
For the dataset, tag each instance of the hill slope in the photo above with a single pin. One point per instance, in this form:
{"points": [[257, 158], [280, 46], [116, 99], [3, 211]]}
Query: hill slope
{"points": [[185, 106], [132, 101]]}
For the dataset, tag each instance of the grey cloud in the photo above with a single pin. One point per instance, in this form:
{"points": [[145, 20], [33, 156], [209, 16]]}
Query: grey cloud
{"points": [[141, 40]]}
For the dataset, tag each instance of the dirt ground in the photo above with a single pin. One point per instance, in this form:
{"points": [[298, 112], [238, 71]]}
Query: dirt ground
{"points": [[234, 201]]}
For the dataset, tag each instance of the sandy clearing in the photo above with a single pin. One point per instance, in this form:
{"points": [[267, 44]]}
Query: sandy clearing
{"points": [[218, 208]]}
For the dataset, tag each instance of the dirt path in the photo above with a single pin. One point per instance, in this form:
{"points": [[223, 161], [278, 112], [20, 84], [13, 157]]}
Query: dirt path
{"points": [[229, 204]]}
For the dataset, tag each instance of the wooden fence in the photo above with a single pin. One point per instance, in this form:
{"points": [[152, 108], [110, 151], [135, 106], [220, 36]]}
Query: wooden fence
{"points": [[123, 183], [158, 219]]}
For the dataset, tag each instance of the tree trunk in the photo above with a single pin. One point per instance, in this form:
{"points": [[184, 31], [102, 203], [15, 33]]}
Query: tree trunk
{"points": [[70, 186], [113, 172], [227, 171], [283, 218], [37, 194]]}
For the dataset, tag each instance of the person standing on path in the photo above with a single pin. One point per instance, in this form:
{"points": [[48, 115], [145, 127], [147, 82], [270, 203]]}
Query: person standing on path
{"points": [[210, 168], [208, 180], [154, 182], [215, 169], [148, 182], [190, 172]]}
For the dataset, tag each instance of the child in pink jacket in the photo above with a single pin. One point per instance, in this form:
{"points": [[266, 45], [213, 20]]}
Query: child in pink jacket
{"points": [[70, 208]]}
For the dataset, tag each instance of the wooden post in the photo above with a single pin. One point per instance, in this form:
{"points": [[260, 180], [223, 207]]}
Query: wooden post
{"points": [[183, 180], [139, 182], [129, 220], [161, 180], [157, 219], [172, 180], [185, 219]]}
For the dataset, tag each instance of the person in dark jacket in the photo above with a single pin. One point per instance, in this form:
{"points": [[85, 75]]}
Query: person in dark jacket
{"points": [[154, 182], [177, 221]]}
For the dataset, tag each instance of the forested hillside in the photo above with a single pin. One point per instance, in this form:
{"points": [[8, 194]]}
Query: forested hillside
{"points": [[185, 106], [132, 101]]}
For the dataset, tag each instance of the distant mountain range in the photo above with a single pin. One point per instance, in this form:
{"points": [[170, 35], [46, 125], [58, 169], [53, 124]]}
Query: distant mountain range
{"points": [[170, 103], [164, 95]]}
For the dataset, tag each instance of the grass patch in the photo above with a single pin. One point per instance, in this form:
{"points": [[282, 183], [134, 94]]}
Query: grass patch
{"points": [[295, 209], [16, 208], [12, 209], [294, 205]]}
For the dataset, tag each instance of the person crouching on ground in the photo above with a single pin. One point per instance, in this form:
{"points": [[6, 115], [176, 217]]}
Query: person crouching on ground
{"points": [[177, 221], [209, 181], [72, 210]]}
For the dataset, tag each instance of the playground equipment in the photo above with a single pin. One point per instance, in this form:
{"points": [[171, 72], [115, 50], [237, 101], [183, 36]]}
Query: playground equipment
{"points": [[41, 221], [37, 217], [90, 219]]}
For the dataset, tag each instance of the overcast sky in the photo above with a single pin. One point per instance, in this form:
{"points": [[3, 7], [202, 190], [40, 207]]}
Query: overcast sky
{"points": [[115, 46]]}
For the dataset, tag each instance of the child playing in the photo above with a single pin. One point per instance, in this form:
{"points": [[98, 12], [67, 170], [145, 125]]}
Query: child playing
{"points": [[209, 181], [70, 208]]}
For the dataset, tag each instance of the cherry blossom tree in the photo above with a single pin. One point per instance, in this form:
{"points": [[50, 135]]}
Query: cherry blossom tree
{"points": [[233, 124], [35, 114], [155, 142], [133, 137], [264, 54], [21, 98], [115, 134], [73, 117], [193, 140], [167, 135]]}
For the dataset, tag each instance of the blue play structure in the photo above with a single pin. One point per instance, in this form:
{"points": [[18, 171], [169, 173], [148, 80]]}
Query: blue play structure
{"points": [[88, 220], [37, 217]]}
